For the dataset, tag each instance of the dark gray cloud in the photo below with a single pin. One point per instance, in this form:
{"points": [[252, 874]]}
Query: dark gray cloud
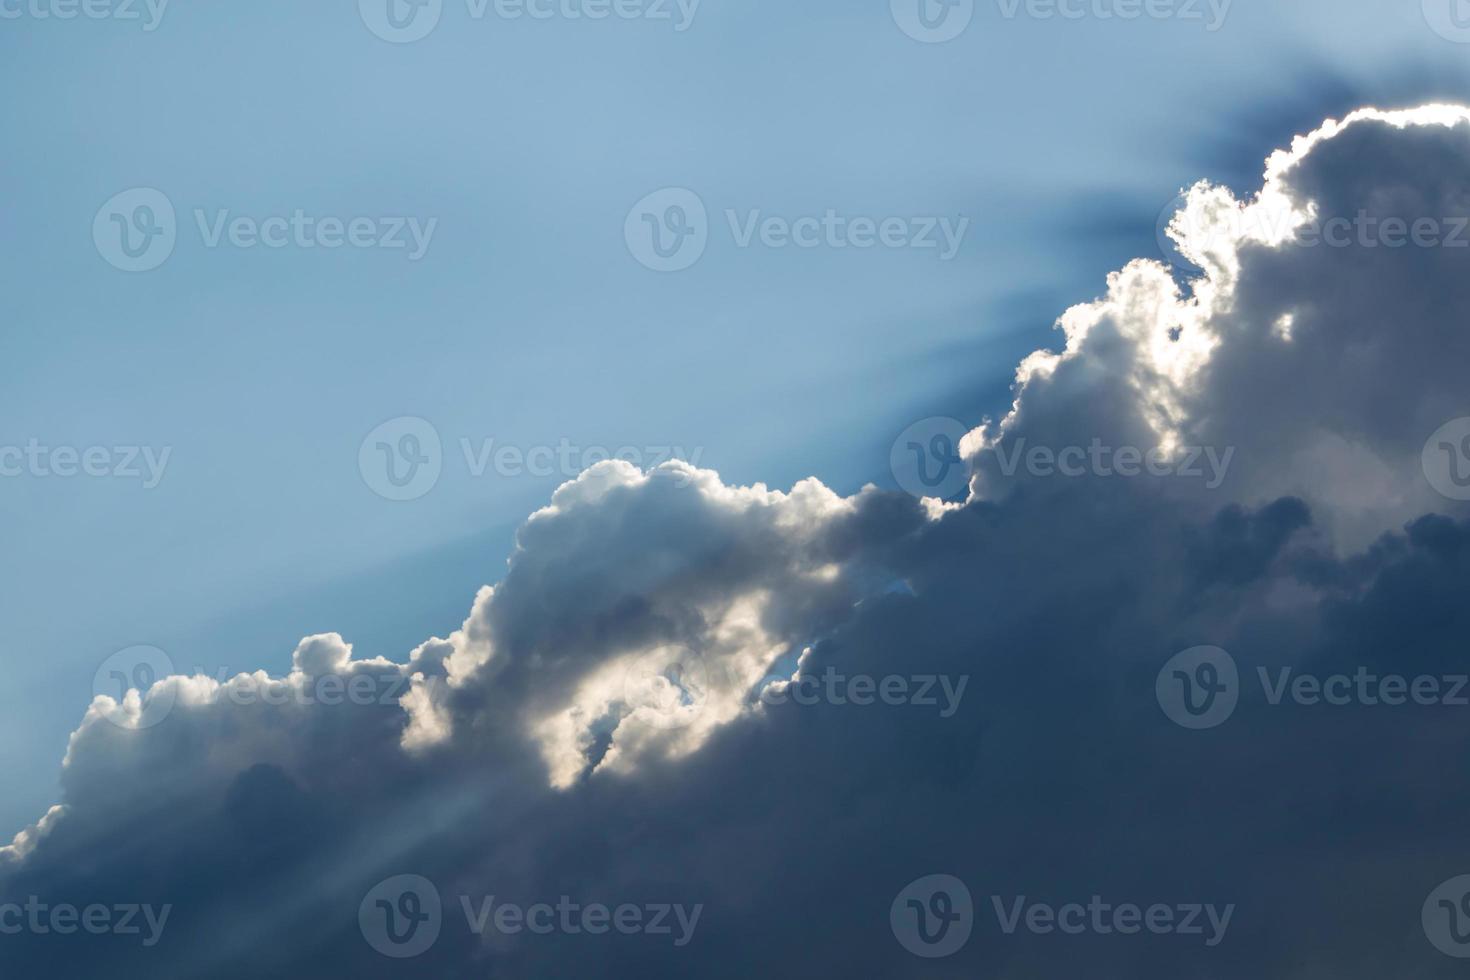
{"points": [[968, 690]]}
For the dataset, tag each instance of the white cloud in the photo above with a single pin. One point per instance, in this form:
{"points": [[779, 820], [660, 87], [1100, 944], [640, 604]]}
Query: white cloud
{"points": [[594, 720]]}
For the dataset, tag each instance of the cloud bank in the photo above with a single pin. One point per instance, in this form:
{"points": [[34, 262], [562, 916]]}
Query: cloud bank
{"points": [[686, 695]]}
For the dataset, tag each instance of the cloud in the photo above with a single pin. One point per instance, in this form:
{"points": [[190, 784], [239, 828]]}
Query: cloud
{"points": [[684, 693], [1321, 346]]}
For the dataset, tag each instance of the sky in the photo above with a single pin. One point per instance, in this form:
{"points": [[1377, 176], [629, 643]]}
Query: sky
{"points": [[527, 320], [300, 439]]}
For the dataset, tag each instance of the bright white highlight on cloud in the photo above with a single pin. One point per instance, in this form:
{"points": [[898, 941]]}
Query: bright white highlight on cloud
{"points": [[1321, 365], [602, 699], [1150, 364]]}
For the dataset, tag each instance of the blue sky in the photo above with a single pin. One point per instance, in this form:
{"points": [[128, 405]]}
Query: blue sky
{"points": [[527, 320]]}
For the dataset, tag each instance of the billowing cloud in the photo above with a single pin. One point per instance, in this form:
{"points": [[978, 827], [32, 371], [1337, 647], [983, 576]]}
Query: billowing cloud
{"points": [[769, 714], [1319, 351]]}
